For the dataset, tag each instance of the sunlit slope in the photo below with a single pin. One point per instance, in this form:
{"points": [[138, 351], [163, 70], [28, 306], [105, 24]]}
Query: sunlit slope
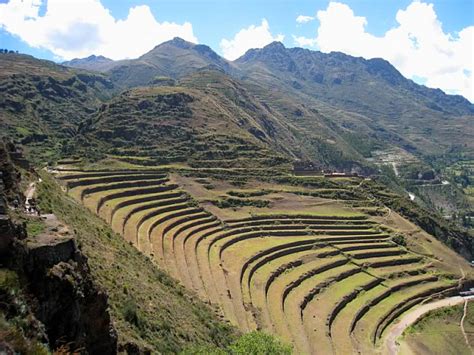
{"points": [[322, 275]]}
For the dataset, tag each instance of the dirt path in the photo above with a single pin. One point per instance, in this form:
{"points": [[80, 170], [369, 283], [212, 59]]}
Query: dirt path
{"points": [[391, 346], [29, 204], [30, 191], [466, 339]]}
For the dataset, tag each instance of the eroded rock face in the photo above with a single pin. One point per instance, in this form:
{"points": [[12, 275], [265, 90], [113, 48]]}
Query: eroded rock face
{"points": [[73, 309], [64, 304]]}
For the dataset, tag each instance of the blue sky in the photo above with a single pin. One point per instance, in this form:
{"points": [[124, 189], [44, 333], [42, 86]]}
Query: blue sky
{"points": [[405, 32], [213, 20]]}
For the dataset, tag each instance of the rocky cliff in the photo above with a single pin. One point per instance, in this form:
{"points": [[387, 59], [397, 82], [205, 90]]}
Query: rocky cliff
{"points": [[53, 302]]}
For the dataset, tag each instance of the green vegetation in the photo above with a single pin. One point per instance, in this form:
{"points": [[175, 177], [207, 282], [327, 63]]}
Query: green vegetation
{"points": [[248, 193], [439, 332], [230, 202], [313, 254], [34, 226], [18, 326], [254, 343]]}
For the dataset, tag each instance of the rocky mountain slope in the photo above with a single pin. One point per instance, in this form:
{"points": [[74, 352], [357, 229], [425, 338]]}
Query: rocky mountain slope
{"points": [[336, 103], [183, 103], [93, 62], [48, 298]]}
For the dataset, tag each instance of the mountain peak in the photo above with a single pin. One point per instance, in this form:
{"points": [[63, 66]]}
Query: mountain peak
{"points": [[275, 53], [275, 45], [178, 42], [92, 62]]}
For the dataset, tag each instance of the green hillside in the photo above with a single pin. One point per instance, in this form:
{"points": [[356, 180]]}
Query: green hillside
{"points": [[176, 173]]}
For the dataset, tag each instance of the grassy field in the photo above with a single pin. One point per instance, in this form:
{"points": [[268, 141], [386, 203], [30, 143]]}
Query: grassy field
{"points": [[439, 332]]}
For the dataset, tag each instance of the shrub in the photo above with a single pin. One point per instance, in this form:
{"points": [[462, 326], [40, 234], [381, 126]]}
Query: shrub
{"points": [[257, 343], [235, 202], [131, 313], [400, 240], [254, 343]]}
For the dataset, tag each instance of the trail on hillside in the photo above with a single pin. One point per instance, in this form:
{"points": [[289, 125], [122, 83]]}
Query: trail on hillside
{"points": [[396, 331], [466, 339], [29, 198]]}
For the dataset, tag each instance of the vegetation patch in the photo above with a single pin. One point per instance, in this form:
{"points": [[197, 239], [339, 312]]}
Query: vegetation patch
{"points": [[230, 202], [439, 332]]}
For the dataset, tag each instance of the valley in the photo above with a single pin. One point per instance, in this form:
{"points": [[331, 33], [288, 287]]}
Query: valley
{"points": [[302, 200]]}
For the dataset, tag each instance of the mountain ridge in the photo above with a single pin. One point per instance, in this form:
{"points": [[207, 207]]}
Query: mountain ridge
{"points": [[340, 108]]}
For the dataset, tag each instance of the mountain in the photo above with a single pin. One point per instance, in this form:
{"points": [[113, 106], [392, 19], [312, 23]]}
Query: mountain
{"points": [[420, 119], [189, 157], [207, 117], [373, 84], [335, 109], [42, 103], [174, 59], [93, 62]]}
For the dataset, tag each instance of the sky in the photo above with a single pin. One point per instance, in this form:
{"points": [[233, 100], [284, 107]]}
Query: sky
{"points": [[429, 41]]}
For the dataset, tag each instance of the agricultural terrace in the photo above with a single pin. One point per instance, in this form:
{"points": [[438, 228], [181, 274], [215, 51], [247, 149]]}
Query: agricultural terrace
{"points": [[320, 266]]}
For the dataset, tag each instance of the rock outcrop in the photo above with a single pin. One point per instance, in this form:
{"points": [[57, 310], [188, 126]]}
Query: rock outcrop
{"points": [[72, 307], [63, 305]]}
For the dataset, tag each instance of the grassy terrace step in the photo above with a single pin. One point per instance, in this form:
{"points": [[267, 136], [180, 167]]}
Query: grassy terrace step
{"points": [[279, 268], [132, 193], [152, 228], [274, 253], [276, 285], [173, 243], [348, 238], [367, 325], [191, 242], [293, 301], [276, 231], [137, 219], [114, 178], [383, 238], [97, 173], [242, 248], [268, 225], [317, 309], [345, 247], [380, 262], [163, 200], [408, 303], [345, 316], [269, 253], [296, 216], [166, 233], [184, 266], [117, 207], [304, 221], [408, 269], [364, 254], [120, 185], [337, 227]]}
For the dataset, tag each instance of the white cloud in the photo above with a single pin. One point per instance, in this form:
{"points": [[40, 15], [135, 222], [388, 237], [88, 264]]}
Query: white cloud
{"points": [[302, 41], [418, 47], [247, 38], [80, 28], [304, 19]]}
